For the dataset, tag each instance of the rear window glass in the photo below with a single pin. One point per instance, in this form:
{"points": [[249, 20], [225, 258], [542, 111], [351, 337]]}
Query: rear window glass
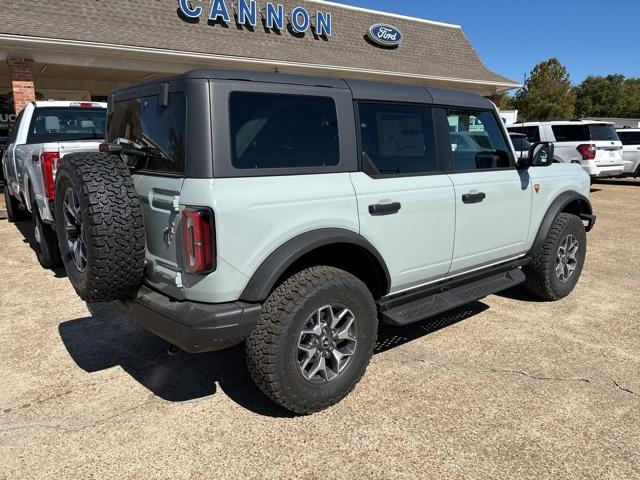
{"points": [[283, 131], [158, 130], [55, 124], [603, 132], [629, 138]]}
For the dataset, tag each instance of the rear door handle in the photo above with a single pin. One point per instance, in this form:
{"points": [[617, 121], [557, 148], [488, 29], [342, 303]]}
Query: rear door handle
{"points": [[384, 209], [470, 198]]}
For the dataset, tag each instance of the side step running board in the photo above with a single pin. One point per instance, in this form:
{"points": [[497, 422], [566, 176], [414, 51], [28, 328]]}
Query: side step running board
{"points": [[436, 303]]}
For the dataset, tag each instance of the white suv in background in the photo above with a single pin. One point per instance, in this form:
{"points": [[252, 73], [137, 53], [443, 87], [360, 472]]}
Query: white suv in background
{"points": [[630, 138], [595, 145]]}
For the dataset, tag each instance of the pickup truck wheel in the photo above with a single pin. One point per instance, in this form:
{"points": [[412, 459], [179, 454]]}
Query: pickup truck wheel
{"points": [[99, 224], [555, 268], [46, 245], [14, 212], [314, 339]]}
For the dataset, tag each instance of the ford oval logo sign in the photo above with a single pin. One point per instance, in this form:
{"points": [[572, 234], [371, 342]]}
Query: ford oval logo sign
{"points": [[385, 35]]}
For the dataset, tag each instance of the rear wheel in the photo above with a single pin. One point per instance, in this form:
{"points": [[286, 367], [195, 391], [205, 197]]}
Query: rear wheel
{"points": [[314, 339], [99, 224], [46, 245], [14, 212], [556, 267]]}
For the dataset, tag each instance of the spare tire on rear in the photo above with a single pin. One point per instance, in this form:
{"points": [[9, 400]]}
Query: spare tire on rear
{"points": [[99, 224]]}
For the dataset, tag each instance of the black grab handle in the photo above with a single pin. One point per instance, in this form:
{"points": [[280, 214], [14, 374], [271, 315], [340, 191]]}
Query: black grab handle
{"points": [[384, 209], [474, 197]]}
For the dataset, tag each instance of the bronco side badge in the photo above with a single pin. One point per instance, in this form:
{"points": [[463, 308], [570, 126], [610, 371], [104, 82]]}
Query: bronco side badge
{"points": [[537, 187]]}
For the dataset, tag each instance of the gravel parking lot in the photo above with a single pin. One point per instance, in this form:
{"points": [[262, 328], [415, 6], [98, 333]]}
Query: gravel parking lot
{"points": [[503, 388]]}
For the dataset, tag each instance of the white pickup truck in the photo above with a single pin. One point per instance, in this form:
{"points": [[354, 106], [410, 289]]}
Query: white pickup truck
{"points": [[44, 133]]}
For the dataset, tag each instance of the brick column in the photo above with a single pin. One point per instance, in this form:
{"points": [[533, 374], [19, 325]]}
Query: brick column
{"points": [[21, 74], [497, 98]]}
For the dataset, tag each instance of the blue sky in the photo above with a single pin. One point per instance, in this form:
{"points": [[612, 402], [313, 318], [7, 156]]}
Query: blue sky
{"points": [[589, 37]]}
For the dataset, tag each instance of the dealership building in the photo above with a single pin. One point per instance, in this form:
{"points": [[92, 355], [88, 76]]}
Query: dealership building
{"points": [[83, 49]]}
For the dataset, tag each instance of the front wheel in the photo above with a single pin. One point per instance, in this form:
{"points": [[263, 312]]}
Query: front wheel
{"points": [[314, 339], [556, 267]]}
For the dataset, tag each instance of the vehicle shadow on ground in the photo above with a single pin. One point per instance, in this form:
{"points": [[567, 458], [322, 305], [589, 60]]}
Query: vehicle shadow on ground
{"points": [[109, 338], [26, 229], [617, 181], [519, 293]]}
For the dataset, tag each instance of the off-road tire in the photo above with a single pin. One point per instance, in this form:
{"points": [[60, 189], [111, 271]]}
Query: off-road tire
{"points": [[541, 277], [46, 241], [112, 226], [271, 349], [14, 212]]}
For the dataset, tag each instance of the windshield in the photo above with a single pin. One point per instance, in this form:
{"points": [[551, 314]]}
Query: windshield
{"points": [[603, 131], [64, 124]]}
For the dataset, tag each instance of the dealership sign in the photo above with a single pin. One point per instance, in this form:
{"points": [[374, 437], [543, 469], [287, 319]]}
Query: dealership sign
{"points": [[385, 35], [246, 13]]}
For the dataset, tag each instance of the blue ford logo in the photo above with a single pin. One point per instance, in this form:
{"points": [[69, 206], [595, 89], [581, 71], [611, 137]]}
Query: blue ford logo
{"points": [[385, 35]]}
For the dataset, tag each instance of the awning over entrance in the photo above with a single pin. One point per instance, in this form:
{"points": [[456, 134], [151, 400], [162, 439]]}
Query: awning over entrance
{"points": [[91, 45]]}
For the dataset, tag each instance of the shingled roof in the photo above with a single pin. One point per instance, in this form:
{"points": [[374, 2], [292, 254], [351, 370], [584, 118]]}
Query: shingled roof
{"points": [[429, 51]]}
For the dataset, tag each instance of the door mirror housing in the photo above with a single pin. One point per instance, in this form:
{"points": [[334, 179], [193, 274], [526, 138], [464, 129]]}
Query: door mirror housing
{"points": [[540, 155]]}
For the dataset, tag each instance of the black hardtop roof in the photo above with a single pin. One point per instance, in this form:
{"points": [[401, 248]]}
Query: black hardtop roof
{"points": [[361, 89]]}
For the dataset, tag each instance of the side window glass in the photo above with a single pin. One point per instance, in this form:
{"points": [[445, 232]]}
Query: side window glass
{"points": [[398, 139], [570, 133], [477, 142], [283, 131]]}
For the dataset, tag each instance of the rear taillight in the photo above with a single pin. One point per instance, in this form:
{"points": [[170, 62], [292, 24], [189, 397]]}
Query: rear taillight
{"points": [[198, 240], [588, 151], [49, 164]]}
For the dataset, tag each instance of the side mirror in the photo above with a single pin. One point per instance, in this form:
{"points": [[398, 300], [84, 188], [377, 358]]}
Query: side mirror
{"points": [[541, 154]]}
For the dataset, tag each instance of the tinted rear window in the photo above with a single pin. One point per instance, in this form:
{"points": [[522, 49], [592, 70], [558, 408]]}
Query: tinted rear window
{"points": [[283, 131], [603, 132], [159, 130], [629, 138], [55, 124]]}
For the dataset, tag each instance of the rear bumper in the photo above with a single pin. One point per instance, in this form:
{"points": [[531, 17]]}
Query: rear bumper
{"points": [[602, 171], [194, 327]]}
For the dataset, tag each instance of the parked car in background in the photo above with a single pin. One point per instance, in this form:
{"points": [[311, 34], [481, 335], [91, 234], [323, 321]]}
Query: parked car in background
{"points": [[595, 145], [3, 145], [44, 133], [630, 138], [520, 144]]}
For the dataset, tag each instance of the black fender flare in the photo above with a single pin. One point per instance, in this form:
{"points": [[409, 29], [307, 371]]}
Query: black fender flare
{"points": [[585, 211], [265, 277]]}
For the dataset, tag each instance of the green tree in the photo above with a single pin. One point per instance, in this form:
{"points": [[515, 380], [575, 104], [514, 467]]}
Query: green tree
{"points": [[601, 97], [506, 103], [631, 98], [547, 93]]}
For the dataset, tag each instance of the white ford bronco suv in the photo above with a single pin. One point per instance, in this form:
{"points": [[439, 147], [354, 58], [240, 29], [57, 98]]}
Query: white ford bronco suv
{"points": [[44, 133], [294, 213]]}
